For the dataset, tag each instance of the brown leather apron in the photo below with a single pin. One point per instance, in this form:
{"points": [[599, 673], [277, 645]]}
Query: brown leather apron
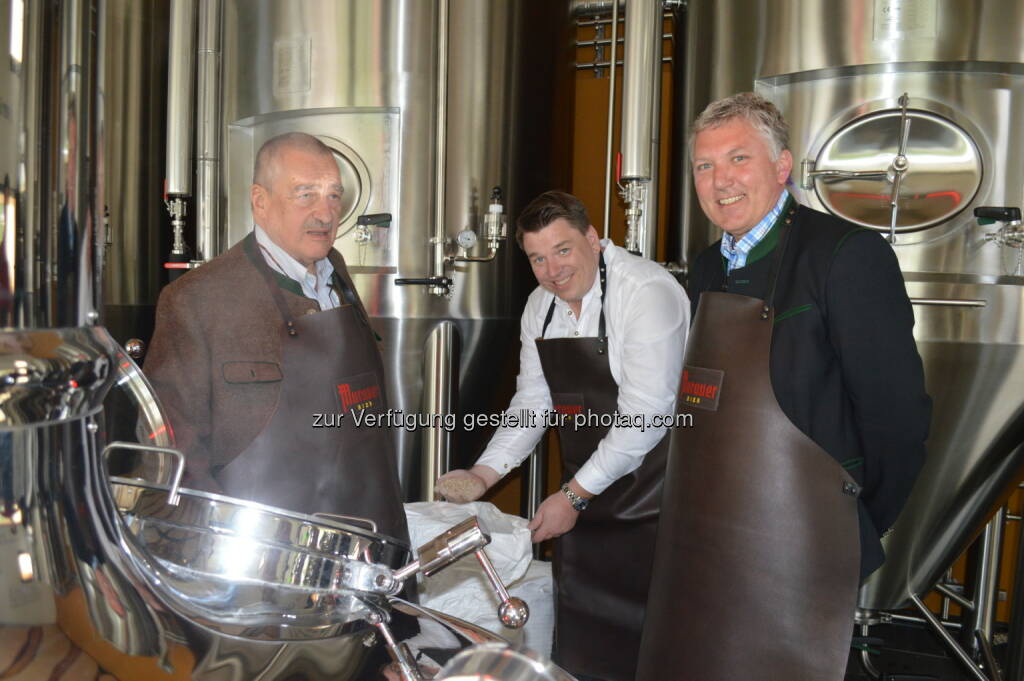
{"points": [[305, 462], [756, 571], [602, 566]]}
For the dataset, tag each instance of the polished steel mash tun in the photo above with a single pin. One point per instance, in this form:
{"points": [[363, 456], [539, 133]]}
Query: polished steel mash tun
{"points": [[159, 564]]}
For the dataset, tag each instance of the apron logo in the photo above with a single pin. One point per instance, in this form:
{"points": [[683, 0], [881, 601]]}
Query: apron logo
{"points": [[358, 392], [701, 388], [570, 404]]}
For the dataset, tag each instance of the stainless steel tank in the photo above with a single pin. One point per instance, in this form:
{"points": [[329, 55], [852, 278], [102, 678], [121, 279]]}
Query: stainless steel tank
{"points": [[838, 71], [135, 108], [50, 127], [428, 106]]}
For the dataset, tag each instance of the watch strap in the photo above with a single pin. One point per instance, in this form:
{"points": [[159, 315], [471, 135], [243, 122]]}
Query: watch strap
{"points": [[578, 503]]}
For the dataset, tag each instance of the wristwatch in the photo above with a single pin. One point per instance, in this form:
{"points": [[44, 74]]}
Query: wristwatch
{"points": [[578, 503]]}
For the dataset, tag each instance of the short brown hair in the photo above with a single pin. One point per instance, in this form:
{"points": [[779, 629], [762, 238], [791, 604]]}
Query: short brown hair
{"points": [[548, 207], [263, 168], [761, 114]]}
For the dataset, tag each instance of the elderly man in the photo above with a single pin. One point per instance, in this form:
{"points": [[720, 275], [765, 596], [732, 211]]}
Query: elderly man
{"points": [[261, 356], [602, 335], [810, 416]]}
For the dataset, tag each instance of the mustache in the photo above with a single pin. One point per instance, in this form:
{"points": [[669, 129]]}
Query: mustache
{"points": [[318, 224]]}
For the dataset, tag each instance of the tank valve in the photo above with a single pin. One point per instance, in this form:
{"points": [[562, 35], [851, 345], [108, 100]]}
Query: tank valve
{"points": [[179, 260], [495, 224], [366, 224], [1010, 235], [495, 230]]}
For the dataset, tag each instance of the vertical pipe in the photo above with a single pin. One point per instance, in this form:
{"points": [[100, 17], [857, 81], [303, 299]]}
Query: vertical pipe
{"points": [[536, 482], [208, 89], [179, 97], [640, 87], [440, 151], [536, 478], [1015, 643], [612, 70], [679, 185], [641, 52], [440, 381], [986, 582], [72, 286], [17, 271], [648, 240]]}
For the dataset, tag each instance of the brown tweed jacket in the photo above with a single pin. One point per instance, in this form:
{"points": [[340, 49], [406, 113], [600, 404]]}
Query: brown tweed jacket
{"points": [[215, 356]]}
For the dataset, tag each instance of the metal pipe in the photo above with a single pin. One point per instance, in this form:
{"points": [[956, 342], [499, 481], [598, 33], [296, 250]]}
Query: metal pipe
{"points": [[865, 656], [677, 236], [595, 43], [910, 619], [948, 639], [964, 603], [23, 189], [438, 241], [598, 22], [580, 8], [947, 583], [648, 237], [440, 381], [640, 56], [986, 582], [73, 287], [951, 302], [639, 94], [611, 124], [988, 658], [1015, 640], [180, 68], [208, 90], [536, 477], [605, 64]]}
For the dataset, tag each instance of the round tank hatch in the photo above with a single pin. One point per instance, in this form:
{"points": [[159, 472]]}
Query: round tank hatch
{"points": [[355, 183], [855, 171]]}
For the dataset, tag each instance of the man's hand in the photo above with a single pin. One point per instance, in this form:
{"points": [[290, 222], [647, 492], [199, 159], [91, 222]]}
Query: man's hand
{"points": [[461, 486], [554, 517]]}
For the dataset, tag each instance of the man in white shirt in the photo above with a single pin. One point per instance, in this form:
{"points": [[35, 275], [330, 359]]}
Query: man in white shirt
{"points": [[602, 347], [261, 356]]}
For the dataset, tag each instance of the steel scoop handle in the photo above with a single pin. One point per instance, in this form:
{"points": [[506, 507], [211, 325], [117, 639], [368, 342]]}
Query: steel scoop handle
{"points": [[513, 612], [179, 460], [462, 539]]}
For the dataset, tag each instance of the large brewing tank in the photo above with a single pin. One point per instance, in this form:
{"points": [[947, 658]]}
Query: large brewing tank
{"points": [[837, 72], [134, 59], [428, 106]]}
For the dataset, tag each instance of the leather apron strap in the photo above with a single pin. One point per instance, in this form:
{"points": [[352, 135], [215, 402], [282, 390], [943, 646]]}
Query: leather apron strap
{"points": [[756, 571], [602, 567], [320, 452]]}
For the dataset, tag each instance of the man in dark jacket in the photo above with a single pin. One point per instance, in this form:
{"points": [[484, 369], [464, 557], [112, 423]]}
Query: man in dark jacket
{"points": [[262, 355], [810, 418]]}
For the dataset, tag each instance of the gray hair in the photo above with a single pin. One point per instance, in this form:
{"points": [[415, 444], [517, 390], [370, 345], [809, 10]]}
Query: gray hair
{"points": [[755, 110], [263, 169]]}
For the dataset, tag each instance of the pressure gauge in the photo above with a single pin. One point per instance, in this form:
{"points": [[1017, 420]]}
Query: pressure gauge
{"points": [[466, 239]]}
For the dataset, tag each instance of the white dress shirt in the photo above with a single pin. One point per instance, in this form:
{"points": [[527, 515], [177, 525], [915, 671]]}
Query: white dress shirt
{"points": [[647, 315], [316, 286]]}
